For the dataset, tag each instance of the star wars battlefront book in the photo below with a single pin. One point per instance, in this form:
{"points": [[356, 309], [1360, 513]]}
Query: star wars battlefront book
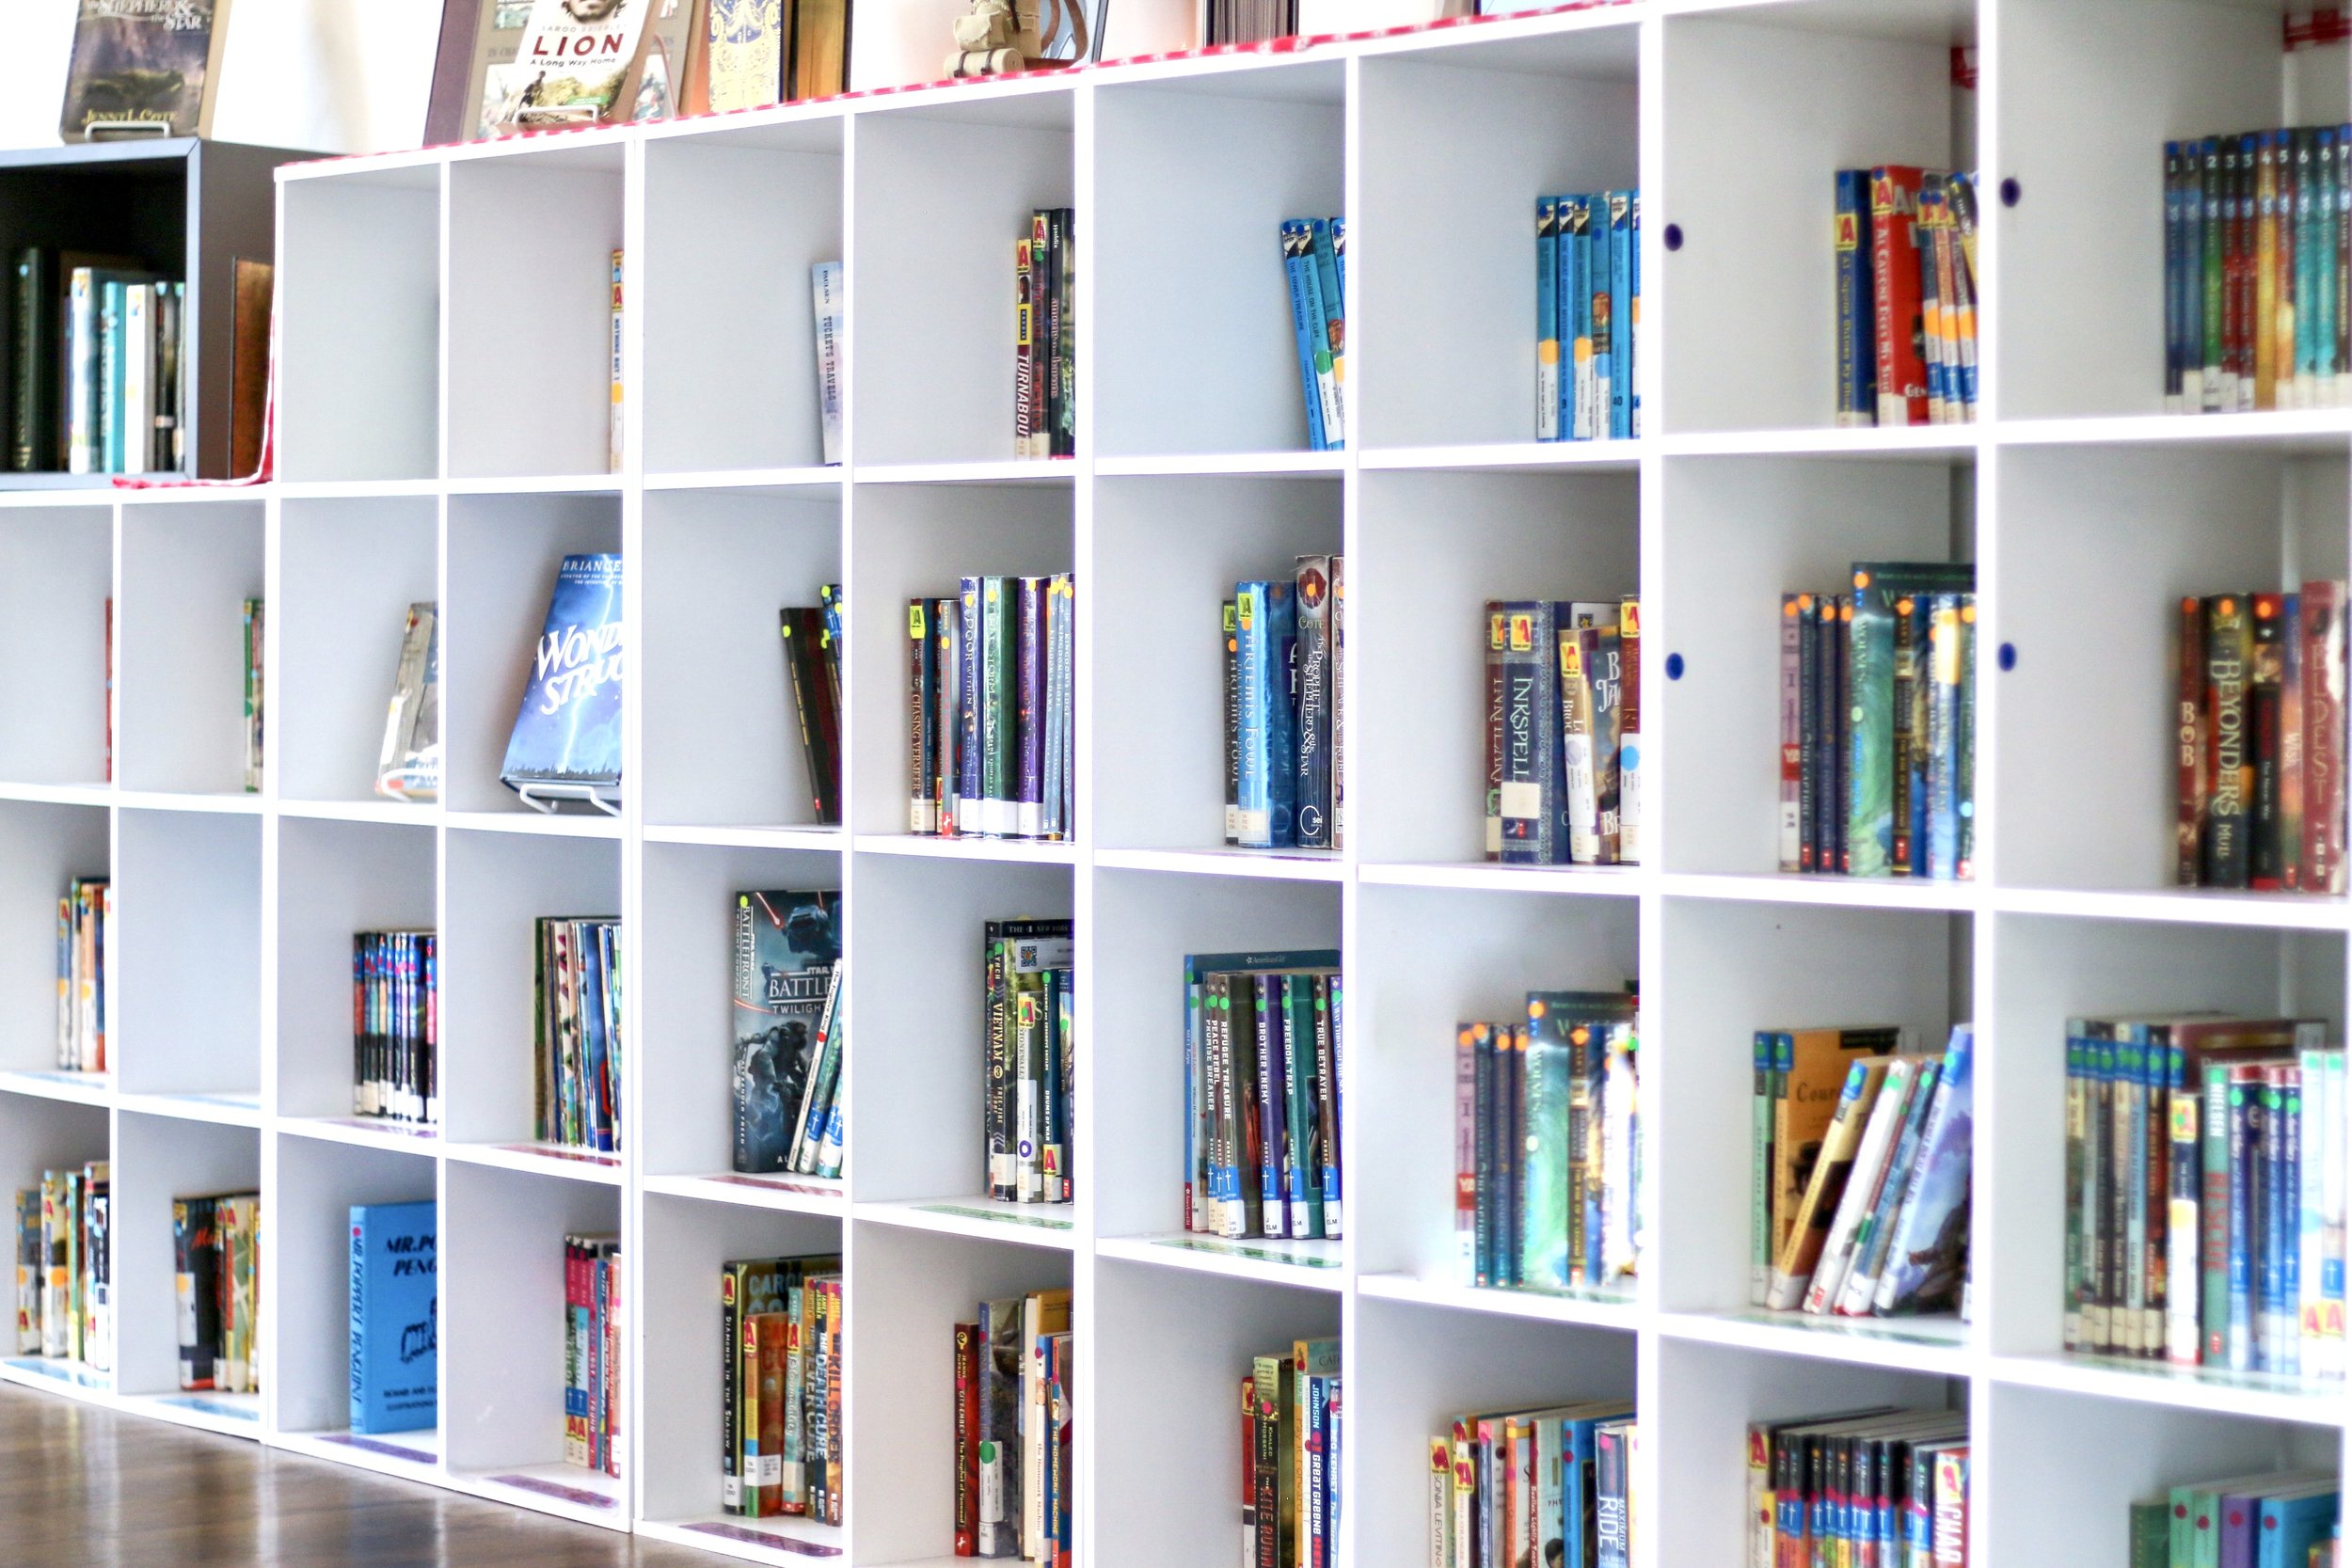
{"points": [[786, 951]]}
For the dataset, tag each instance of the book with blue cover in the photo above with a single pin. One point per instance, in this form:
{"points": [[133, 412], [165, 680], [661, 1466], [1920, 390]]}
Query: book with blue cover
{"points": [[566, 744], [395, 1317]]}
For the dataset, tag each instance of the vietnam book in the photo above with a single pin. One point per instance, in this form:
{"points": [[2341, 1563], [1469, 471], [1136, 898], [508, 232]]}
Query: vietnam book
{"points": [[395, 1317], [566, 744], [788, 950], [144, 69]]}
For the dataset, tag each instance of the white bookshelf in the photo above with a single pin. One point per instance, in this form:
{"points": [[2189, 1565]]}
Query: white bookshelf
{"points": [[442, 436]]}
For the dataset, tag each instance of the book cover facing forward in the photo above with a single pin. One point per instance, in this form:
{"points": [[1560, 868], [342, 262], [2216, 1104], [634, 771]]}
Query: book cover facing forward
{"points": [[786, 945], [567, 737], [143, 68], [395, 1317]]}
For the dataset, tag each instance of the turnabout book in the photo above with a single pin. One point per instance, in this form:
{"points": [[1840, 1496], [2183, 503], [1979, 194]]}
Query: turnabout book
{"points": [[566, 744]]}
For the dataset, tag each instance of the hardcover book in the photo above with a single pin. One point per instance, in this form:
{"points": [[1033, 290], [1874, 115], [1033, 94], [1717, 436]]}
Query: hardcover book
{"points": [[747, 51], [786, 946], [576, 62], [395, 1317], [144, 69], [567, 743]]}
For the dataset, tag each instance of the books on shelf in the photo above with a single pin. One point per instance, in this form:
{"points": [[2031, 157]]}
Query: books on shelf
{"points": [[1547, 1145], [575, 1005], [1016, 1378], [1292, 1420], [829, 299], [613, 443], [1261, 1094], [812, 667], [791, 1031], [98, 385], [2275, 1519], [1588, 316], [1045, 352], [64, 1275], [1878, 723], [2206, 1193], [2255, 244], [567, 743], [2261, 692], [1893, 1482], [1906, 319], [217, 1272], [1248, 20], [254, 633], [395, 1317], [1315, 261], [408, 765], [1285, 651], [143, 71], [395, 996], [1029, 1033], [594, 1432], [992, 689], [84, 951], [1860, 1172], [780, 1372], [1549, 1486], [1564, 745]]}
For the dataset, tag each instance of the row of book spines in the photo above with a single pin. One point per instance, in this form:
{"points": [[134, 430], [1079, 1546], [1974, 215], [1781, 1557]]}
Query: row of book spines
{"points": [[105, 395], [84, 943], [395, 989], [591, 1345], [1315, 263], [577, 1012], [1015, 1430], [215, 1265], [1264, 1113], [1564, 751], [62, 1273], [2258, 271], [812, 667], [781, 1327], [1045, 363], [2284, 1520], [1877, 699], [1892, 1483], [1237, 21], [992, 692], [1285, 646], [819, 1131], [1588, 310], [1539, 1486], [1029, 1029], [1293, 1426], [2261, 702], [2205, 1194], [255, 632], [1546, 1144], [1906, 248]]}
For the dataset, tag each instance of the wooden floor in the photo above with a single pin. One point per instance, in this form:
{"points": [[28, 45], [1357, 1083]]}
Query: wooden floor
{"points": [[85, 1488]]}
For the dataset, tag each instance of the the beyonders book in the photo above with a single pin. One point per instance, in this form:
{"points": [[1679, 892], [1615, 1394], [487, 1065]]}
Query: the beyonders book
{"points": [[785, 949], [566, 744], [144, 67]]}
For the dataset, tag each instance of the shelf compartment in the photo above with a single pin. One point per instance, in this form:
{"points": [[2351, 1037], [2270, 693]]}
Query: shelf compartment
{"points": [[187, 1013], [336, 879], [1303, 1265], [57, 573], [38, 1135], [157, 1159], [310, 1199], [50, 845], [179, 629], [349, 570]]}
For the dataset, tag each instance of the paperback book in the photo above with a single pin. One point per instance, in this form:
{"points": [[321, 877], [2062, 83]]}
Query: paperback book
{"points": [[1293, 1414], [1906, 319], [395, 998], [85, 949], [1889, 1484], [577, 1033], [1552, 1485], [1285, 650], [992, 746], [1564, 732], [1045, 341], [215, 1262], [1263, 1053], [1028, 1033], [1588, 316], [780, 1376], [1315, 261], [594, 1428], [790, 1033]]}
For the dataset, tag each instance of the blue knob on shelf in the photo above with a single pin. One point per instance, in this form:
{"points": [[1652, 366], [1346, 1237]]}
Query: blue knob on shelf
{"points": [[1674, 667], [2009, 657], [1673, 236]]}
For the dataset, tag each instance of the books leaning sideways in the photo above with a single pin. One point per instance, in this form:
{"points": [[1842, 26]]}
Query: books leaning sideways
{"points": [[791, 1031], [395, 991], [2286, 1518], [1030, 1021], [2257, 314], [1285, 645], [575, 1071], [1547, 1145], [1893, 1484], [1878, 720], [1292, 1412], [1906, 245], [64, 1270], [2206, 1193], [217, 1272], [1045, 335], [1261, 1101], [990, 743], [780, 1359], [1588, 316], [1564, 732], [1016, 1400], [1859, 1172], [1534, 1486], [1315, 261], [97, 386], [592, 1337], [812, 667], [395, 1317], [566, 744], [86, 917], [255, 630], [409, 767], [2260, 690]]}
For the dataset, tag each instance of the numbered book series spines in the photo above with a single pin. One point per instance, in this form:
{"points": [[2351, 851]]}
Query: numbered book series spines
{"points": [[2257, 233], [1588, 314], [781, 1337], [2261, 702], [84, 947], [1563, 735], [812, 668], [1293, 1427], [64, 1266], [2205, 1204], [577, 1006], [1547, 1145], [1261, 1101], [593, 1428], [1314, 265], [1285, 649], [2280, 1519], [1028, 1030], [991, 688], [217, 1272], [1045, 358], [1883, 1485], [1536, 1486], [1015, 1404], [1905, 243], [790, 1033], [396, 993]]}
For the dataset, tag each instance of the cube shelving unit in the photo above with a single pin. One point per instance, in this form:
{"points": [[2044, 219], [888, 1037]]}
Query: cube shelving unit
{"points": [[443, 415]]}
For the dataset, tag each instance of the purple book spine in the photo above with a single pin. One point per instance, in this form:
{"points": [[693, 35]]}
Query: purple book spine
{"points": [[1030, 823]]}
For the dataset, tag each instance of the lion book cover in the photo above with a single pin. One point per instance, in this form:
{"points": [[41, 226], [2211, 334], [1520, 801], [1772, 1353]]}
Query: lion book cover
{"points": [[144, 67], [576, 62], [786, 945]]}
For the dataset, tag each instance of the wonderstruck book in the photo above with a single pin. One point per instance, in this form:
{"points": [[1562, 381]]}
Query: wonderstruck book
{"points": [[566, 744], [395, 1317], [144, 67], [788, 950]]}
